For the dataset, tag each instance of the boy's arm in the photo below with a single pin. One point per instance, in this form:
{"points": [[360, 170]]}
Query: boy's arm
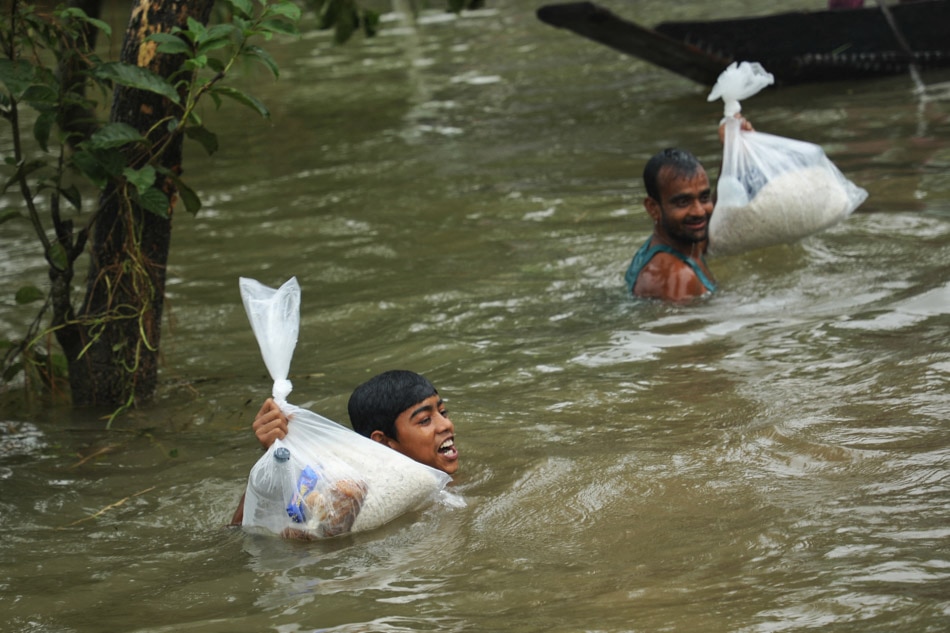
{"points": [[270, 424], [238, 517]]}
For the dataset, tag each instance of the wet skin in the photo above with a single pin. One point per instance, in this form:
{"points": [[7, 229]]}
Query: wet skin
{"points": [[681, 221]]}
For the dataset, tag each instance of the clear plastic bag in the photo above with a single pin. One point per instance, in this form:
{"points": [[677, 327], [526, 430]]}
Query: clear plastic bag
{"points": [[771, 190], [322, 479]]}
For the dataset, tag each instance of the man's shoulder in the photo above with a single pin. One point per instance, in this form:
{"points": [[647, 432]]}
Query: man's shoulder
{"points": [[667, 276], [667, 261]]}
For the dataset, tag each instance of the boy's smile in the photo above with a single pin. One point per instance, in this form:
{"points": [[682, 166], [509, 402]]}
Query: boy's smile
{"points": [[427, 435]]}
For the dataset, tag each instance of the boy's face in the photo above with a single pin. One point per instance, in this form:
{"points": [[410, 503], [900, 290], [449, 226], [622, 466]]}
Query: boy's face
{"points": [[426, 435]]}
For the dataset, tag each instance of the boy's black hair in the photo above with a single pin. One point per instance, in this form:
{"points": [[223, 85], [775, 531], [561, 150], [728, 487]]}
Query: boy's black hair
{"points": [[682, 162], [375, 405]]}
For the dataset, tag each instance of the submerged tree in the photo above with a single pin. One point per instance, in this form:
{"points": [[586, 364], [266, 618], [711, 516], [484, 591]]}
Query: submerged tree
{"points": [[170, 61]]}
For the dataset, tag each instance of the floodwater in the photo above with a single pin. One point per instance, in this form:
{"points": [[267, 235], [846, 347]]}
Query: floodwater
{"points": [[461, 199]]}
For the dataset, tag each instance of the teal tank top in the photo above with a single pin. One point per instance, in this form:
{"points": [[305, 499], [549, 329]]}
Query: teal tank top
{"points": [[646, 253]]}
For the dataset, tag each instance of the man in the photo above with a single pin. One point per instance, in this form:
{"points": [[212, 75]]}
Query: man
{"points": [[398, 408], [671, 265]]}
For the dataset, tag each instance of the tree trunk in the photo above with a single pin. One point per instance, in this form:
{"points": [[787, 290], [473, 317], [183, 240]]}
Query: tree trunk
{"points": [[122, 313]]}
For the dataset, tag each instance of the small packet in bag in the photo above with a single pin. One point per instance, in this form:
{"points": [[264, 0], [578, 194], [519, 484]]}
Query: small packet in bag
{"points": [[322, 479], [771, 190]]}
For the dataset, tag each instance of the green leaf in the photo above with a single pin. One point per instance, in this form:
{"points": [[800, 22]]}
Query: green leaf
{"points": [[220, 31], [244, 8], [29, 294], [188, 35], [187, 194], [169, 44], [196, 63], [141, 179], [287, 9], [72, 195], [57, 256], [6, 216], [197, 29], [243, 26], [136, 77], [113, 135], [43, 127], [39, 95], [205, 137], [216, 64], [190, 198], [211, 45], [90, 167], [240, 97], [154, 201], [23, 169], [194, 119], [280, 26], [264, 57], [79, 14], [16, 76], [12, 180], [59, 365], [99, 165]]}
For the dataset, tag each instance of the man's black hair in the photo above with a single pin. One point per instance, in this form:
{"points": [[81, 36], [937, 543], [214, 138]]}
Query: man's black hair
{"points": [[375, 405], [682, 162]]}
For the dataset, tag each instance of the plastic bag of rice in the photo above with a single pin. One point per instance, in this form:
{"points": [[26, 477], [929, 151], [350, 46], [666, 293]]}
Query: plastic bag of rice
{"points": [[772, 189], [322, 479]]}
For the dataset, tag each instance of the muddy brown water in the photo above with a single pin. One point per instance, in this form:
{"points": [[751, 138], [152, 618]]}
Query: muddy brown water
{"points": [[461, 199]]}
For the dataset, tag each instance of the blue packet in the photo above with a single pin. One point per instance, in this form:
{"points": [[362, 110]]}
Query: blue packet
{"points": [[305, 484]]}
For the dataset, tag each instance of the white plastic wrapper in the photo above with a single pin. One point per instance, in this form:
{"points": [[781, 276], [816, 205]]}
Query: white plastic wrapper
{"points": [[771, 190], [334, 480]]}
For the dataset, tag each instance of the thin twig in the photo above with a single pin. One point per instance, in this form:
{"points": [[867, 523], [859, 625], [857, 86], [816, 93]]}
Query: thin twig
{"points": [[105, 450], [107, 508]]}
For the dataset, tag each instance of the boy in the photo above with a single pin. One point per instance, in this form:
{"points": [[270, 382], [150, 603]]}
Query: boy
{"points": [[398, 408]]}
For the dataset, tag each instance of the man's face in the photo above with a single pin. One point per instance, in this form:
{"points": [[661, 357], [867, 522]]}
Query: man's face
{"points": [[685, 205], [427, 435]]}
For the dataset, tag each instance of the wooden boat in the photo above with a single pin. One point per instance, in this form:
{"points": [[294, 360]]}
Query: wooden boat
{"points": [[796, 47]]}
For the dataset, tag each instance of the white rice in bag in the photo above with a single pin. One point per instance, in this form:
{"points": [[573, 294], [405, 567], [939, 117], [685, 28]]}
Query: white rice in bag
{"points": [[330, 480], [772, 189]]}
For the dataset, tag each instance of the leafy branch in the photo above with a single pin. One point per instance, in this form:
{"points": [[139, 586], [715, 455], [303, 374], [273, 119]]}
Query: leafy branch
{"points": [[48, 67]]}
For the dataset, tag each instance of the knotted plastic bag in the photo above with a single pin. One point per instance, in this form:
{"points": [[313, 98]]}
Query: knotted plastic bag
{"points": [[771, 190], [322, 479]]}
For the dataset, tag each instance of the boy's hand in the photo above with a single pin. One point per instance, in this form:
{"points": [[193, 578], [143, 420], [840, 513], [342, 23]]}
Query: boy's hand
{"points": [[270, 424]]}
